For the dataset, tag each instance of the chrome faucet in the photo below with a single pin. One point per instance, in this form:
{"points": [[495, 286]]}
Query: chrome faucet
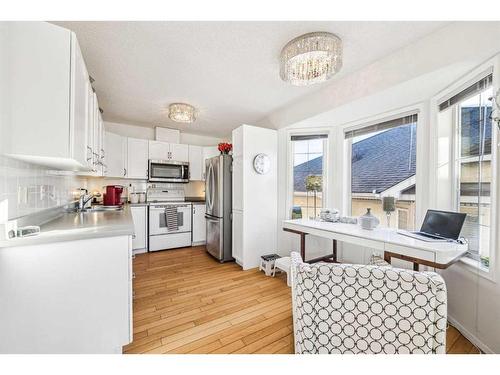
{"points": [[84, 199]]}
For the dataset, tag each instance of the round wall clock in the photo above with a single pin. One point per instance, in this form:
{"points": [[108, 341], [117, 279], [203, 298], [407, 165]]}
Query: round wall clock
{"points": [[261, 163]]}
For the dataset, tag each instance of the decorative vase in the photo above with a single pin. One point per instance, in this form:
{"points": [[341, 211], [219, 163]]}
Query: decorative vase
{"points": [[368, 221]]}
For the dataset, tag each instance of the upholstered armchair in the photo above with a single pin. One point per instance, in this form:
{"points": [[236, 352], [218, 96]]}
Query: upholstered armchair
{"points": [[345, 308]]}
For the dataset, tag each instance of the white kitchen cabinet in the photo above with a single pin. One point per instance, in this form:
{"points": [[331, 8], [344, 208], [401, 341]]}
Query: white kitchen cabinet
{"points": [[47, 84], [179, 152], [139, 240], [254, 195], [237, 240], [159, 150], [196, 165], [115, 147], [137, 158], [77, 299], [199, 224]]}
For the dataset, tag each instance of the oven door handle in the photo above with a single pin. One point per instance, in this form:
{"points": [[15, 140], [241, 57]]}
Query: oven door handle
{"points": [[211, 218]]}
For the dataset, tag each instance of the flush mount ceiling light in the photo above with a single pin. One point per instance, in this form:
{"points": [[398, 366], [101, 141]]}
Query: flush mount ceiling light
{"points": [[181, 112], [311, 58]]}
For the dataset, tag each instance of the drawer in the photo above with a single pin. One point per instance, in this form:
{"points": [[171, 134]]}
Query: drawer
{"points": [[169, 241]]}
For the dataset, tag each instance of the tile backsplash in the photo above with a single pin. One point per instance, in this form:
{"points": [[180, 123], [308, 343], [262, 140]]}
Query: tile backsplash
{"points": [[31, 188], [96, 184]]}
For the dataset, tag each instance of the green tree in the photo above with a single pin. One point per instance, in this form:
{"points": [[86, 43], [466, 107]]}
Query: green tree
{"points": [[314, 183]]}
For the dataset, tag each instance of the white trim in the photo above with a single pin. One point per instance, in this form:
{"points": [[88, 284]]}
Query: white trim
{"points": [[421, 199], [290, 161], [490, 65], [469, 336]]}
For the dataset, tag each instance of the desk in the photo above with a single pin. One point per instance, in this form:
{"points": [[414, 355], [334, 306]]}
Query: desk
{"points": [[394, 245]]}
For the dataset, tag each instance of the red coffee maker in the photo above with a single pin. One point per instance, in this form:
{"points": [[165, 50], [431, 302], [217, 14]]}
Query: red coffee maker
{"points": [[112, 196]]}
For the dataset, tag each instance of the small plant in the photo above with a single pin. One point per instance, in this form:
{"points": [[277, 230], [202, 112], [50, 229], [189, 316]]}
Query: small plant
{"points": [[314, 183]]}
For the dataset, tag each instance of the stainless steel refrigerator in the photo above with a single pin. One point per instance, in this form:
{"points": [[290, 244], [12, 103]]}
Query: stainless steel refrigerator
{"points": [[218, 190]]}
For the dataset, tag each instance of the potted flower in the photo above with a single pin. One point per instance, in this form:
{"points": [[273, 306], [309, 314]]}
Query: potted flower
{"points": [[225, 148]]}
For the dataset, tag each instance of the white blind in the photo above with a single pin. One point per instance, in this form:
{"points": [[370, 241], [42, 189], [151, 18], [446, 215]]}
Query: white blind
{"points": [[468, 92], [410, 119]]}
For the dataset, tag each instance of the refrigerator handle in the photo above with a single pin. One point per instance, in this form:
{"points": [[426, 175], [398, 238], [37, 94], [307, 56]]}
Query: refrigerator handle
{"points": [[211, 218]]}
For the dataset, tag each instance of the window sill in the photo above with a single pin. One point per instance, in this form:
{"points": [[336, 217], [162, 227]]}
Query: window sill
{"points": [[475, 267]]}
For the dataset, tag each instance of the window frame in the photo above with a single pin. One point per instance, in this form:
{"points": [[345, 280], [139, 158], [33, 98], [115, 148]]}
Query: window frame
{"points": [[421, 196], [490, 66], [290, 161]]}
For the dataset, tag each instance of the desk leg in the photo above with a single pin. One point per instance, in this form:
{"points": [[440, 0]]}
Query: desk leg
{"points": [[334, 257], [415, 266], [303, 246]]}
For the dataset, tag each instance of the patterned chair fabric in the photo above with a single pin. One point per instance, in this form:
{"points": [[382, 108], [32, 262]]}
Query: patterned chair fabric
{"points": [[345, 308]]}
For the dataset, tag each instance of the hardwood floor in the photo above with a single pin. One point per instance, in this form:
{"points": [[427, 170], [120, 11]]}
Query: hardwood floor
{"points": [[186, 302]]}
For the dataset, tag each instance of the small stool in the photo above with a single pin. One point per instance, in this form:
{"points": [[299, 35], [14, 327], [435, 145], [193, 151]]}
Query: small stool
{"points": [[267, 263], [283, 265]]}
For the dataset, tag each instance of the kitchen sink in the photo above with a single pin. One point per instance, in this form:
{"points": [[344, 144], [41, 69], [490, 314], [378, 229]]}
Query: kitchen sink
{"points": [[103, 208]]}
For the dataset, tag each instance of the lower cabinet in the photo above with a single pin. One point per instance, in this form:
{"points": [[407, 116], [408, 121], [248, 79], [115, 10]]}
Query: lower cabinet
{"points": [[81, 302], [139, 240], [199, 224]]}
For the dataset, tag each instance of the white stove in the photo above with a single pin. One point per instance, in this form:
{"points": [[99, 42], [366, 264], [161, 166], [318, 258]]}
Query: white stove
{"points": [[169, 218], [165, 194]]}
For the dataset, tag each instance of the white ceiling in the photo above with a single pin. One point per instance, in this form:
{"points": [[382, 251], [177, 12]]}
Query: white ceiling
{"points": [[228, 70]]}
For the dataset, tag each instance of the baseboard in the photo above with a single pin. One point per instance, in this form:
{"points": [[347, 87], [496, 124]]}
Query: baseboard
{"points": [[469, 336], [139, 251], [199, 243]]}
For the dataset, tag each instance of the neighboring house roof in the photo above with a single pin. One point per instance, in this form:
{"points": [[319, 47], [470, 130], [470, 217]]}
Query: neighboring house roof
{"points": [[392, 156], [384, 160], [301, 171]]}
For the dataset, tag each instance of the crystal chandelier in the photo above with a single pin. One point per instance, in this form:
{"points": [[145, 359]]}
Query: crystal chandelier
{"points": [[311, 58], [181, 112]]}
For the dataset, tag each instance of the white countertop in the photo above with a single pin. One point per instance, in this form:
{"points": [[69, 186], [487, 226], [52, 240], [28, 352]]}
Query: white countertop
{"points": [[381, 238], [79, 226]]}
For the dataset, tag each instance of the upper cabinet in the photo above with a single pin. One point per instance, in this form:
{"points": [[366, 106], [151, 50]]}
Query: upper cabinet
{"points": [[137, 158], [115, 155], [159, 150], [195, 163], [48, 97]]}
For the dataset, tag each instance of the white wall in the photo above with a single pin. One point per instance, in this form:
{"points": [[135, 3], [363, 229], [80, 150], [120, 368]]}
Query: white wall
{"points": [[407, 79]]}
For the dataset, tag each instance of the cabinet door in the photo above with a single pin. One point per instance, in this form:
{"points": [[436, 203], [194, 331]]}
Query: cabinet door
{"points": [[36, 75], [159, 150], [195, 163], [81, 109], [139, 218], [238, 236], [199, 223], [137, 158], [179, 152], [100, 137], [238, 184], [90, 153], [116, 154]]}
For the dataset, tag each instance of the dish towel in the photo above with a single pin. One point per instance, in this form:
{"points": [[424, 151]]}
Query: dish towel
{"points": [[171, 218]]}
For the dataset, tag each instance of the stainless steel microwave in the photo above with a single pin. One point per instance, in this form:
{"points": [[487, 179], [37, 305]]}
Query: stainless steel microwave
{"points": [[168, 171]]}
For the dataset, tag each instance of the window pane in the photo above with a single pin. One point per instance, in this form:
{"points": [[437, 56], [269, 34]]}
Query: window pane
{"points": [[384, 164], [300, 147], [474, 177], [308, 178]]}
